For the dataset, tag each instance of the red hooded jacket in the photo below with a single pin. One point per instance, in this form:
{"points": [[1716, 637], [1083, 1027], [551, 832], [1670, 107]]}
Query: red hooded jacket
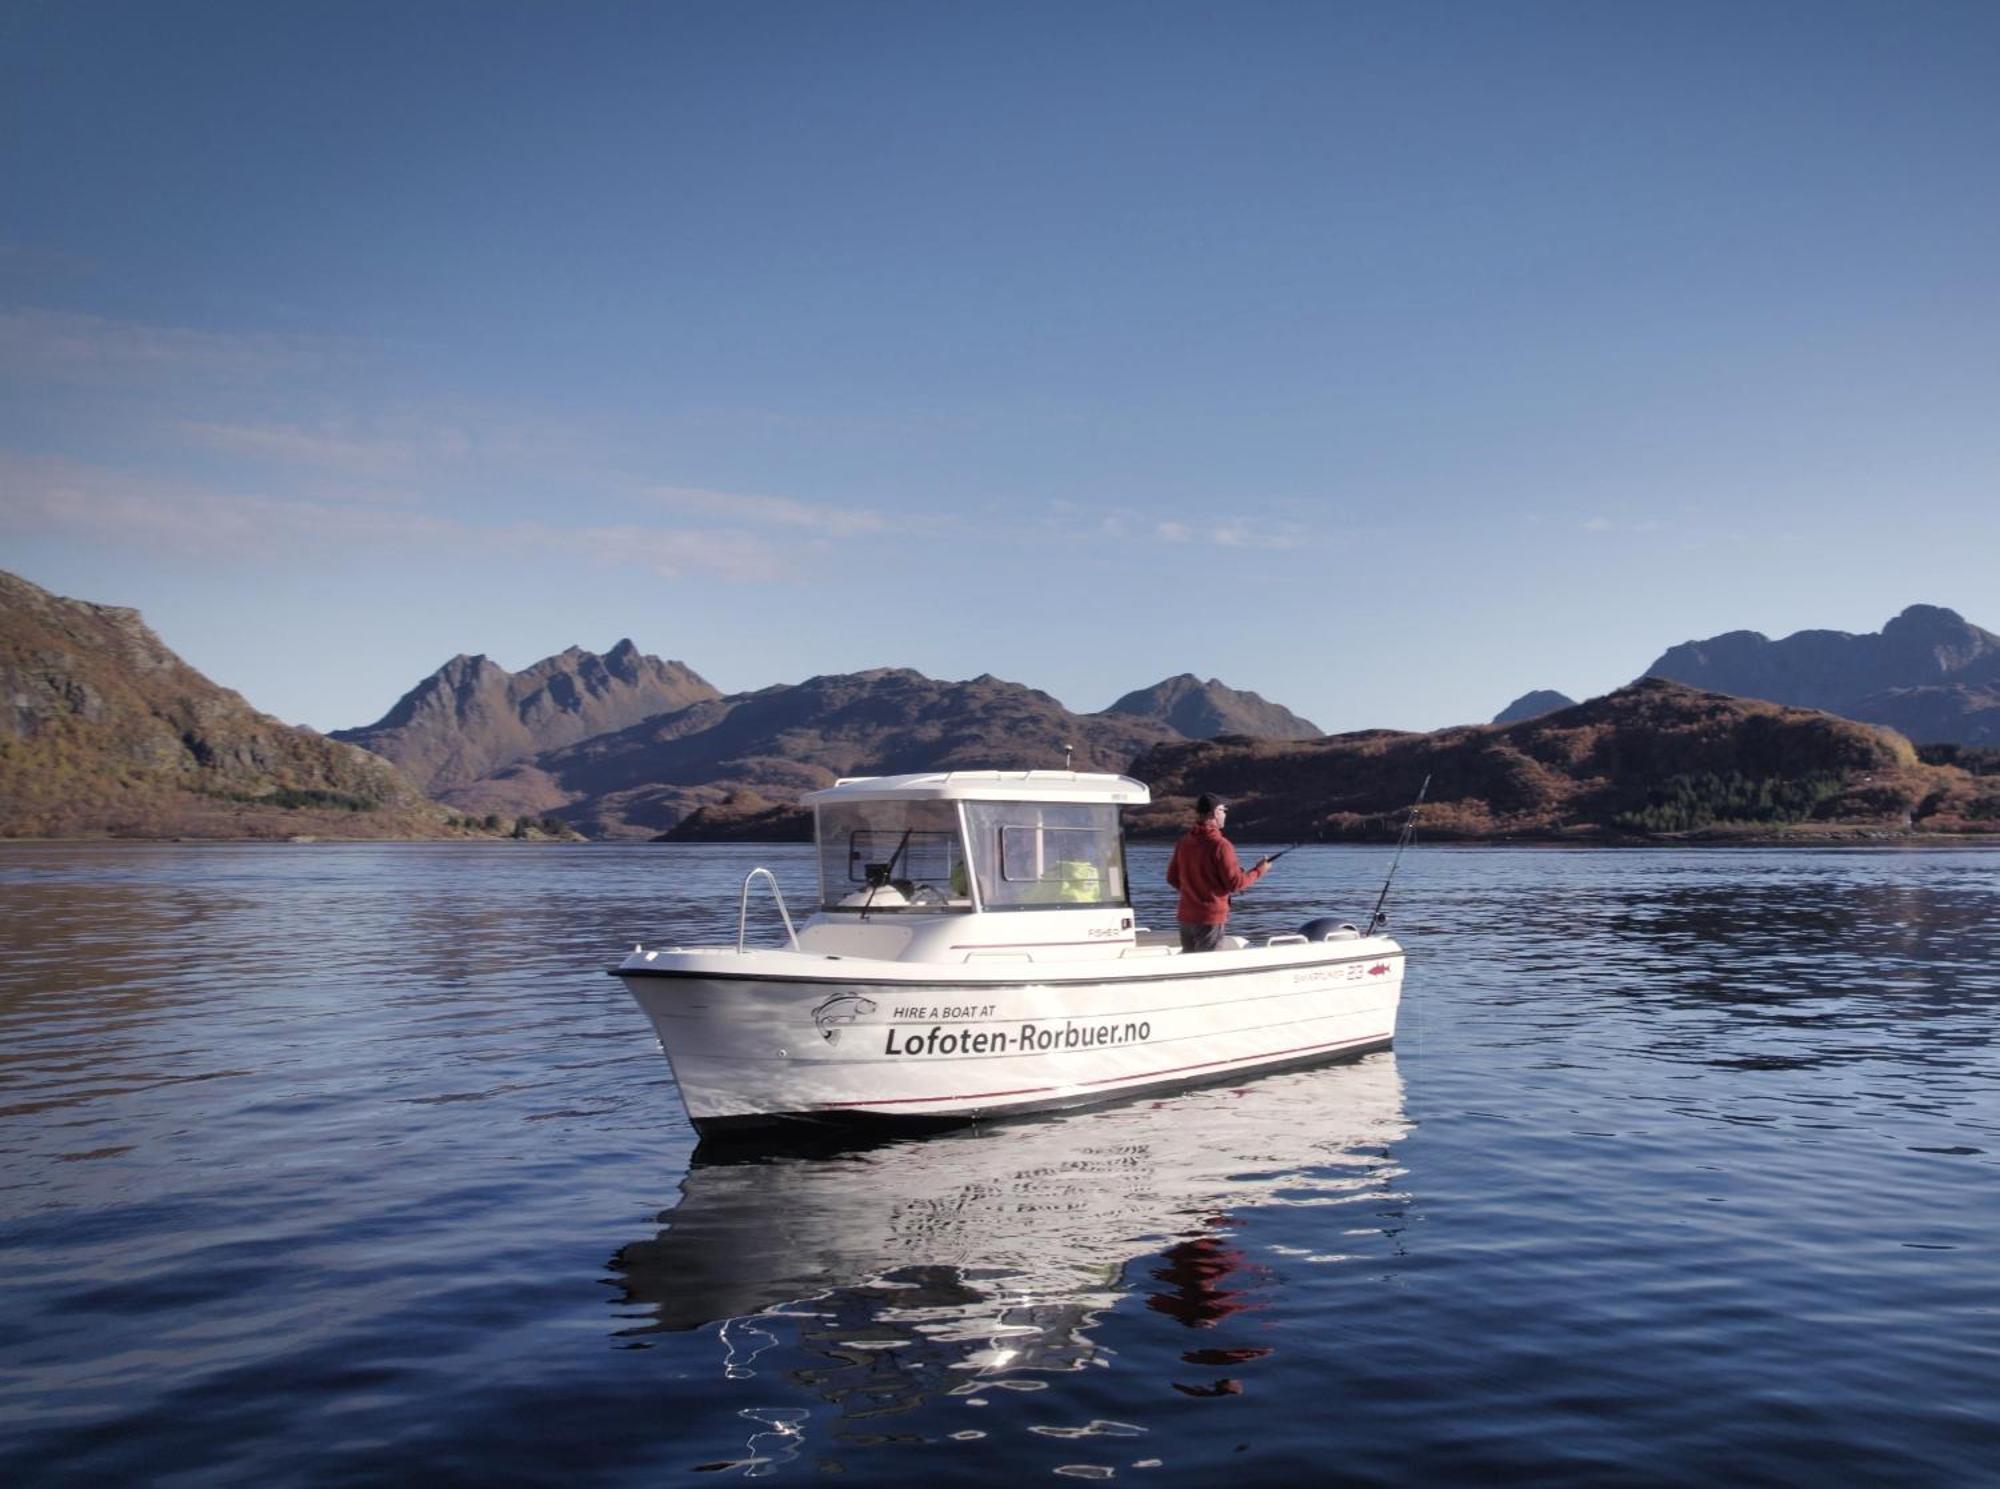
{"points": [[1204, 869]]}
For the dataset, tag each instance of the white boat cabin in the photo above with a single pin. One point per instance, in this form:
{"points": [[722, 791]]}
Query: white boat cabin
{"points": [[973, 866]]}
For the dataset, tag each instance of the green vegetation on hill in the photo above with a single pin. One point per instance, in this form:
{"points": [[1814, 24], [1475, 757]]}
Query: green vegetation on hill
{"points": [[1685, 802]]}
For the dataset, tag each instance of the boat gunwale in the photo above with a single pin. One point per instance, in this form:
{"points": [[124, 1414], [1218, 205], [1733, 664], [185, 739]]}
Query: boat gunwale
{"points": [[711, 975]]}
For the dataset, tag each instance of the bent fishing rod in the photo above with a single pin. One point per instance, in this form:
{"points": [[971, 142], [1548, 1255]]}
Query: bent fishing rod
{"points": [[1376, 919]]}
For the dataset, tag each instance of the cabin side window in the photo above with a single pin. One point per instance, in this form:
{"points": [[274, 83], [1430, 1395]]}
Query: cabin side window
{"points": [[880, 856], [1046, 855]]}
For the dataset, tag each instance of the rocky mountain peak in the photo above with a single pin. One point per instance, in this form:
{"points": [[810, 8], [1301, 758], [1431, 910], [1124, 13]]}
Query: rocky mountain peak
{"points": [[465, 668], [1926, 637], [1533, 705], [1927, 615], [1928, 672], [1202, 710], [472, 716]]}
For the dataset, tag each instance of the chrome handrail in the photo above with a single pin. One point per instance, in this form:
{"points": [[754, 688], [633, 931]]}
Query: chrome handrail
{"points": [[743, 907]]}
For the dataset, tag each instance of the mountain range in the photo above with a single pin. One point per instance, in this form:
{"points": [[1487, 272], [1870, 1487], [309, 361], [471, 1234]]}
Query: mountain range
{"points": [[626, 745], [472, 716], [106, 730], [747, 752], [1929, 673]]}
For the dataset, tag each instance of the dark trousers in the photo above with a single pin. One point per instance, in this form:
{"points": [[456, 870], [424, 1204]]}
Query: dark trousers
{"points": [[1200, 937]]}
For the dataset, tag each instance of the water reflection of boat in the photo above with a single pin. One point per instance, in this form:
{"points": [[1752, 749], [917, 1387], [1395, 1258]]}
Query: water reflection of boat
{"points": [[925, 1267]]}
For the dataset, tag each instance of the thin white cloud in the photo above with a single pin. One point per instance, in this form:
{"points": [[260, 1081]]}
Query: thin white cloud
{"points": [[672, 553], [1607, 525], [767, 511], [332, 448], [1273, 536], [53, 346], [1127, 522], [43, 495]]}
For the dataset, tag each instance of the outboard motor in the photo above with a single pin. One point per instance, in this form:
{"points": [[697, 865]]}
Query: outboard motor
{"points": [[1327, 928]]}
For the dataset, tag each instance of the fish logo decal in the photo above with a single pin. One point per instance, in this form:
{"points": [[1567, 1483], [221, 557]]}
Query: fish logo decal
{"points": [[841, 1008], [1379, 969]]}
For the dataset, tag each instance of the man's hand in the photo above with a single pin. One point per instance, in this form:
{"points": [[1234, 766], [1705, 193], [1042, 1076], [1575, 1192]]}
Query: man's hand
{"points": [[1261, 864]]}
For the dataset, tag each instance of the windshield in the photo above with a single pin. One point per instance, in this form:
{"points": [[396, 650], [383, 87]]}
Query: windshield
{"points": [[881, 856], [1046, 855]]}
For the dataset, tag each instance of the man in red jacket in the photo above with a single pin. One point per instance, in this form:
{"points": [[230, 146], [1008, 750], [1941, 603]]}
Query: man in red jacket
{"points": [[1205, 871]]}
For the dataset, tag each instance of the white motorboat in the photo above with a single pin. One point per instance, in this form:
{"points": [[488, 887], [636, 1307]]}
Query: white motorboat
{"points": [[975, 953]]}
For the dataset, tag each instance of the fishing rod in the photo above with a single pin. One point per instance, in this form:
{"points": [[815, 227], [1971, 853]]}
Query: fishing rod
{"points": [[1274, 857], [1376, 918], [1271, 858]]}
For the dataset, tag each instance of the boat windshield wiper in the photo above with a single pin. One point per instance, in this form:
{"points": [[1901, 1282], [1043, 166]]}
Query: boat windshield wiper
{"points": [[888, 870]]}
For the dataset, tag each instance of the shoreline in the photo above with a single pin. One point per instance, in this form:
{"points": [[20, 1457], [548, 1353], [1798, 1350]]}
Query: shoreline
{"points": [[1699, 840]]}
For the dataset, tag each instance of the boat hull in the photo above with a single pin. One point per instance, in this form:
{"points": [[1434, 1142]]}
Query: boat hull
{"points": [[753, 1048]]}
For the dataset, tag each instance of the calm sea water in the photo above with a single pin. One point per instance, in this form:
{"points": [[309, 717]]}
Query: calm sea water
{"points": [[332, 1164]]}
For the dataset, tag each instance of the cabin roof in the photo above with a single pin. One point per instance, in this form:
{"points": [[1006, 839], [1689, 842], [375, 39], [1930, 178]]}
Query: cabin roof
{"points": [[986, 785]]}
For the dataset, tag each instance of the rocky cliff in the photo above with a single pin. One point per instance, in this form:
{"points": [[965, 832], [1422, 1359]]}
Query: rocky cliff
{"points": [[1656, 758], [106, 731], [1929, 673], [472, 716]]}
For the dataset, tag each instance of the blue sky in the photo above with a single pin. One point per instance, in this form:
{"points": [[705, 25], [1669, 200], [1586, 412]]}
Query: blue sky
{"points": [[1388, 359]]}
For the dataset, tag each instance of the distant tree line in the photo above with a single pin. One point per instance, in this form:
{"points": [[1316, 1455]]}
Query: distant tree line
{"points": [[1978, 760], [1686, 802], [293, 797], [548, 826]]}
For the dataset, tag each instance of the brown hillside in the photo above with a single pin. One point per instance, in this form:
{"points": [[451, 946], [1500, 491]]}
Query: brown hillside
{"points": [[106, 731], [1653, 758]]}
